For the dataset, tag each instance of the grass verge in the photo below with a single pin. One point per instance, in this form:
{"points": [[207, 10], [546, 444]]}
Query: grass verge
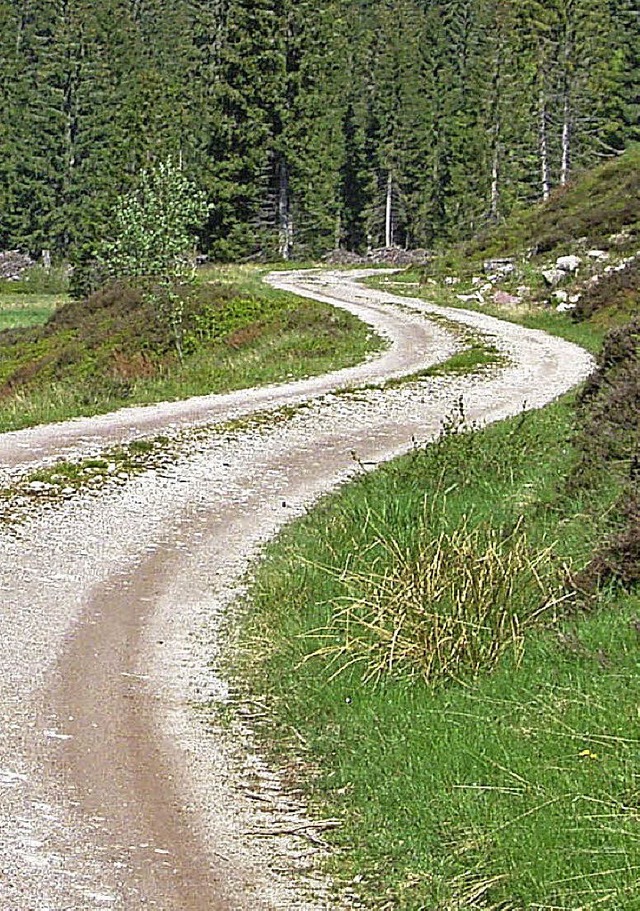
{"points": [[533, 316], [518, 788], [114, 350]]}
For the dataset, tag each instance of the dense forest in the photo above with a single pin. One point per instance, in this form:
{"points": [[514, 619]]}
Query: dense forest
{"points": [[351, 123]]}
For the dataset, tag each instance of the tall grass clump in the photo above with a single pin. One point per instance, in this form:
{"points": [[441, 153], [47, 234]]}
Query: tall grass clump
{"points": [[447, 610]]}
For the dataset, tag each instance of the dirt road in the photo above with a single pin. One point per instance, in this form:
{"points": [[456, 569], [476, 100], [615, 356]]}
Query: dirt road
{"points": [[114, 792]]}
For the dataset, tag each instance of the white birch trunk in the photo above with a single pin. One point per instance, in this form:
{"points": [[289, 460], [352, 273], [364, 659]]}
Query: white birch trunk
{"points": [[388, 221], [285, 225], [566, 140], [543, 144], [495, 175]]}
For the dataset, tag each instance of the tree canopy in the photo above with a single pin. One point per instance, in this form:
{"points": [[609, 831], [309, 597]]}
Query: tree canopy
{"points": [[339, 123]]}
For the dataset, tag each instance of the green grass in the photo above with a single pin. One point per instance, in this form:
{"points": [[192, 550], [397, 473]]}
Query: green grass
{"points": [[116, 353], [19, 310], [481, 753], [515, 789], [589, 334]]}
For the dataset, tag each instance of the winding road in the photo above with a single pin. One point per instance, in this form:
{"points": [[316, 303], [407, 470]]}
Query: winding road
{"points": [[115, 790]]}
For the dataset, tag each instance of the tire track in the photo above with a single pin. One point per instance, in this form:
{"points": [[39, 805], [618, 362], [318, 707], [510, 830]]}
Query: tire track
{"points": [[113, 792]]}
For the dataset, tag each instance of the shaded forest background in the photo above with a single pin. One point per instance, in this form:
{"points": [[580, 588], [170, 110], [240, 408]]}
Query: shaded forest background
{"points": [[351, 123]]}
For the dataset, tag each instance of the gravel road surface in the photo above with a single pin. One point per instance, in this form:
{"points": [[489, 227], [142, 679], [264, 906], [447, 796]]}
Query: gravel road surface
{"points": [[115, 790]]}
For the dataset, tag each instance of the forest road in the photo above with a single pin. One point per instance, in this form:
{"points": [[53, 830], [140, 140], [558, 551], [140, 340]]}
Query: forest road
{"points": [[115, 790]]}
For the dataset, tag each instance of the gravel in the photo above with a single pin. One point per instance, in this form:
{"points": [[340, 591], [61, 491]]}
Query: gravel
{"points": [[204, 520]]}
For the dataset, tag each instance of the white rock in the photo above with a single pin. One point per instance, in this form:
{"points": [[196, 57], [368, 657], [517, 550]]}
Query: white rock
{"points": [[574, 298], [568, 263], [553, 276], [560, 296], [598, 254], [564, 308], [499, 268]]}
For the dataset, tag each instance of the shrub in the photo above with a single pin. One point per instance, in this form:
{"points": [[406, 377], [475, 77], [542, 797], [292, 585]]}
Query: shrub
{"points": [[609, 441], [616, 292]]}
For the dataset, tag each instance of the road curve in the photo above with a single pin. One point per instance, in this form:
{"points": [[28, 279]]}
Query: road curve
{"points": [[114, 793]]}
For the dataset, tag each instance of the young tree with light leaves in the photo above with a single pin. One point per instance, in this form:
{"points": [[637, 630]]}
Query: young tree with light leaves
{"points": [[154, 227], [154, 237]]}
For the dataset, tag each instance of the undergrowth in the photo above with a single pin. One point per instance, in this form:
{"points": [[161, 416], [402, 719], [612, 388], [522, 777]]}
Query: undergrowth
{"points": [[496, 770], [598, 204], [447, 608], [116, 348]]}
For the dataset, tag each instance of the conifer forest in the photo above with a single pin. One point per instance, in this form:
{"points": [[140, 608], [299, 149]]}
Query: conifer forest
{"points": [[310, 126]]}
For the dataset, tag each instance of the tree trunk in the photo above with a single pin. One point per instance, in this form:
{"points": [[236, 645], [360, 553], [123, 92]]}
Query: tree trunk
{"points": [[495, 174], [566, 139], [285, 224], [544, 147], [388, 221], [567, 100]]}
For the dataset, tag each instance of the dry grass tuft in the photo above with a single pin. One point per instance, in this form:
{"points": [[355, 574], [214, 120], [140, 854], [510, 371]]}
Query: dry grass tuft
{"points": [[450, 610]]}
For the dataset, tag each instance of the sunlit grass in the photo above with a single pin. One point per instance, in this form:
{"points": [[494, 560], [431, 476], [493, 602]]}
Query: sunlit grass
{"points": [[514, 786], [17, 310], [285, 339]]}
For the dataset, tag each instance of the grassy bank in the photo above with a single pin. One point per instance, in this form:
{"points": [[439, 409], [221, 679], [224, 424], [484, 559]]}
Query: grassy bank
{"points": [[448, 649], [511, 789], [589, 334], [117, 348]]}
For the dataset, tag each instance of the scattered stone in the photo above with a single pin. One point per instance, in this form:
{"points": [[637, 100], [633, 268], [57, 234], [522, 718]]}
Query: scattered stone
{"points": [[499, 268], [553, 277], [560, 296], [569, 263], [598, 255], [574, 298], [344, 258], [396, 256], [389, 256], [474, 296], [503, 299], [619, 239], [451, 280], [38, 486], [564, 308]]}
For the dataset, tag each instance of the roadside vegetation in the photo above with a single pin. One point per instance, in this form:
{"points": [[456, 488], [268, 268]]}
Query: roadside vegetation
{"points": [[31, 300], [448, 649], [117, 348], [501, 271]]}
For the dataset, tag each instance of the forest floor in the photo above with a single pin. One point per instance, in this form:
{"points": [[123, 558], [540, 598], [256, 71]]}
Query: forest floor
{"points": [[117, 788]]}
